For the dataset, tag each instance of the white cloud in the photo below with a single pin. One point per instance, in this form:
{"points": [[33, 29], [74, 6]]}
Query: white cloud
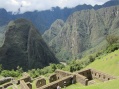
{"points": [[31, 5]]}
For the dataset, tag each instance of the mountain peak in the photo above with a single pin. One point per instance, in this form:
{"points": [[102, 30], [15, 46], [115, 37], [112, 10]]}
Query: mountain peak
{"points": [[24, 46]]}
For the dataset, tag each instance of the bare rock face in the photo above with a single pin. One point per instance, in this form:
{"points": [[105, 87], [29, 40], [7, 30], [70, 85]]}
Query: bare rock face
{"points": [[24, 46], [53, 31], [84, 30]]}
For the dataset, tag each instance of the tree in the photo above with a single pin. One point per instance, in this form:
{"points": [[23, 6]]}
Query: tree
{"points": [[0, 68], [53, 66], [113, 43], [111, 39], [60, 66], [91, 58], [20, 70], [71, 69]]}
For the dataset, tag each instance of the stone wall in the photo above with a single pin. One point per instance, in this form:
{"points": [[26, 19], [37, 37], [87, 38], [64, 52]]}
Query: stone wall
{"points": [[23, 85], [60, 82], [101, 76], [52, 78], [7, 85], [82, 79], [85, 77], [5, 80], [4, 86], [26, 78], [60, 74], [86, 73], [91, 82], [0, 87], [29, 85], [91, 74], [40, 82]]}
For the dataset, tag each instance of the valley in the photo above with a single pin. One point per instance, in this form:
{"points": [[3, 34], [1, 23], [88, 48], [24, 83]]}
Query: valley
{"points": [[59, 47]]}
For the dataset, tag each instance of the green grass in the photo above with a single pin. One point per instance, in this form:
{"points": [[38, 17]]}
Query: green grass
{"points": [[112, 84], [108, 64], [74, 86], [33, 85], [9, 88]]}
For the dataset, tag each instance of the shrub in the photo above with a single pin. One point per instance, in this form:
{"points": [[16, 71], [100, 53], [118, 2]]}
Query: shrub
{"points": [[111, 39], [8, 73], [112, 48], [0, 68], [91, 58]]}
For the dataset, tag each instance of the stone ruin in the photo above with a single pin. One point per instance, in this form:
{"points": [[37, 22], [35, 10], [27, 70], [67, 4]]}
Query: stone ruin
{"points": [[63, 79], [5, 82], [40, 82], [86, 76]]}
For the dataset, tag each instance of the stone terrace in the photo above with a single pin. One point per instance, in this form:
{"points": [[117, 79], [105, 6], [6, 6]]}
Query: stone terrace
{"points": [[63, 79]]}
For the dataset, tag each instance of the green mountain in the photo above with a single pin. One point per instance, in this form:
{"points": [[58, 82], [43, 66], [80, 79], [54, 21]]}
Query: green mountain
{"points": [[54, 30], [2, 34], [84, 30], [23, 46], [43, 19]]}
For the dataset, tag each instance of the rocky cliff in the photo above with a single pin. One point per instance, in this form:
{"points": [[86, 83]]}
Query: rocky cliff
{"points": [[84, 30], [24, 46]]}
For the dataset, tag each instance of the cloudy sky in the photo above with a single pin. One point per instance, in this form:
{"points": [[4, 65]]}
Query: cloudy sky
{"points": [[31, 5]]}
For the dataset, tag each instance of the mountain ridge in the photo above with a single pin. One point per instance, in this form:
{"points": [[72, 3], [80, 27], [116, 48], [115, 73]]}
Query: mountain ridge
{"points": [[43, 19], [84, 30]]}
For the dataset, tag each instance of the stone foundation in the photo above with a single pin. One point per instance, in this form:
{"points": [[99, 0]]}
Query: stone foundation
{"points": [[26, 79], [60, 82], [82, 79], [61, 74], [23, 85], [29, 85], [52, 78], [5, 80], [63, 79], [91, 74], [40, 82]]}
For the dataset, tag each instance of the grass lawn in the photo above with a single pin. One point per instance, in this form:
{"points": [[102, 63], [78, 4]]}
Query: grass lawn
{"points": [[112, 84], [108, 64], [74, 86]]}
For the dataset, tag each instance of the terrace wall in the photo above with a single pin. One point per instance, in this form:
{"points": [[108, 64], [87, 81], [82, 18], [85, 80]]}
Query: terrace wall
{"points": [[40, 82], [60, 82], [52, 78], [23, 85]]}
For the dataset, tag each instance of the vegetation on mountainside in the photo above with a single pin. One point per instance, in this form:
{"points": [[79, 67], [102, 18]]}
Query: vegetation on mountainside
{"points": [[24, 47], [111, 39], [112, 43], [84, 30], [2, 35], [33, 72]]}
